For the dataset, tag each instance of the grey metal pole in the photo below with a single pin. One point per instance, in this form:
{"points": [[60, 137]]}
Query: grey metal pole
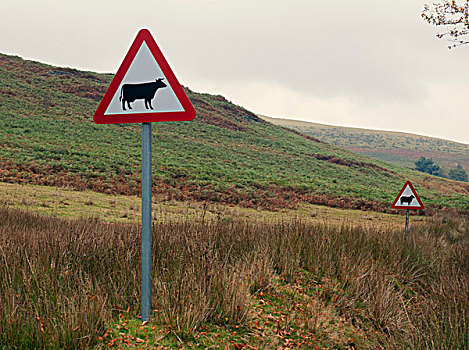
{"points": [[146, 221], [406, 223]]}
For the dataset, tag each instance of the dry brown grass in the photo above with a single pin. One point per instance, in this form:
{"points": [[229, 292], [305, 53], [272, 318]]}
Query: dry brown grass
{"points": [[62, 281], [72, 204]]}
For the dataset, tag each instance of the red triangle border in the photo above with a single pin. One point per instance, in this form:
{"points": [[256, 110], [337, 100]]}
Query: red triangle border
{"points": [[394, 206], [188, 114]]}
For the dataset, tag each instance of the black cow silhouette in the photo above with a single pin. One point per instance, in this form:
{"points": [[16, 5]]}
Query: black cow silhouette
{"points": [[145, 91], [407, 199]]}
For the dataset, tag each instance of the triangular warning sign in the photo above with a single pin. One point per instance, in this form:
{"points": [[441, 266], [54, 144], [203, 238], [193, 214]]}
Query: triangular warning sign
{"points": [[144, 89], [407, 198]]}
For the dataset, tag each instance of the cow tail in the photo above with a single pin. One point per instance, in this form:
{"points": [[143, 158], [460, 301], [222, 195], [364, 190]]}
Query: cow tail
{"points": [[120, 97]]}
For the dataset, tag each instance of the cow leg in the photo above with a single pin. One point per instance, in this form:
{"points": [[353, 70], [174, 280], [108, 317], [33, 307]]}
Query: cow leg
{"points": [[123, 105], [128, 105], [148, 104]]}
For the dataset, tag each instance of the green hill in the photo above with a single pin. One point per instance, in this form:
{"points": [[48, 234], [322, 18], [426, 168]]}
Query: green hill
{"points": [[389, 146], [227, 154]]}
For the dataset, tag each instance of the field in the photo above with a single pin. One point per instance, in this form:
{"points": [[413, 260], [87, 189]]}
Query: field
{"points": [[235, 282], [393, 147], [263, 237], [70, 204], [227, 155]]}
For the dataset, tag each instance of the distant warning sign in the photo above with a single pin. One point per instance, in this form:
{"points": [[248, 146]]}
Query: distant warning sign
{"points": [[407, 198], [144, 89]]}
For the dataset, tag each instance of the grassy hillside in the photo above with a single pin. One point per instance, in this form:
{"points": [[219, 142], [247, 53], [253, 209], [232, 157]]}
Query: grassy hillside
{"points": [[394, 147], [227, 154]]}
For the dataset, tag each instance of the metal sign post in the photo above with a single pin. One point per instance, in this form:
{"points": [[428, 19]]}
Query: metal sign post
{"points": [[146, 221], [406, 223]]}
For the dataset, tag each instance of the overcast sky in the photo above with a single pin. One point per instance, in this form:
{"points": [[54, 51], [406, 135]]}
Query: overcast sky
{"points": [[363, 63]]}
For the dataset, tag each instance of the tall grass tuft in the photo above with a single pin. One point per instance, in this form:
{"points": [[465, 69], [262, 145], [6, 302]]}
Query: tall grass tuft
{"points": [[62, 281]]}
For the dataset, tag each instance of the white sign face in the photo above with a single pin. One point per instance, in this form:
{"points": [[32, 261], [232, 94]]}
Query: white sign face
{"points": [[407, 198], [144, 73], [144, 89]]}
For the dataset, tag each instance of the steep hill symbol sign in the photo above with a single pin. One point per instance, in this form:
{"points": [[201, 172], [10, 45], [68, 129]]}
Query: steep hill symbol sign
{"points": [[144, 89], [407, 198]]}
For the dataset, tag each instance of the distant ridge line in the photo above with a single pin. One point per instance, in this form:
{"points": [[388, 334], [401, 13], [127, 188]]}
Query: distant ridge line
{"points": [[286, 121]]}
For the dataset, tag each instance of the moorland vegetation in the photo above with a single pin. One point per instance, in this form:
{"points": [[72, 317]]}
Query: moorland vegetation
{"points": [[227, 154], [74, 284]]}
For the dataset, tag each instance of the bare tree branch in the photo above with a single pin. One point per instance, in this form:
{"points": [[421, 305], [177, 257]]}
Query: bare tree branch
{"points": [[451, 14]]}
